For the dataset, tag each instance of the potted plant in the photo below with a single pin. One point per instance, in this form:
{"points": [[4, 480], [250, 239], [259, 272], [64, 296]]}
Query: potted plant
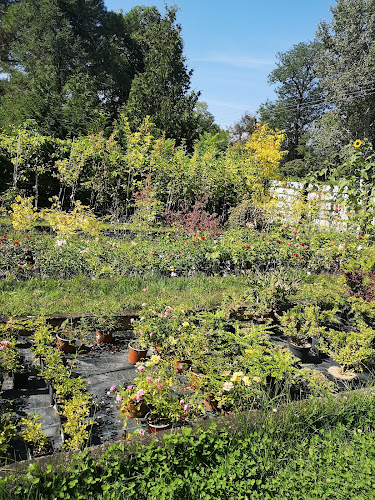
{"points": [[66, 337], [351, 350], [300, 324], [103, 325], [32, 434], [76, 423], [131, 402]]}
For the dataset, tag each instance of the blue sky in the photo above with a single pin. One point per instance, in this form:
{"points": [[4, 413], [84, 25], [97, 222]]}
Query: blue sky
{"points": [[232, 46]]}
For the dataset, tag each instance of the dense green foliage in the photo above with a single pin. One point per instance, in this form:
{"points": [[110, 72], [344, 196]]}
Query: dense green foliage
{"points": [[325, 96], [72, 66], [322, 449]]}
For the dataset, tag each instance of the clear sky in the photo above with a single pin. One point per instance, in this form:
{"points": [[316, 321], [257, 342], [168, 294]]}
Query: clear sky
{"points": [[232, 45]]}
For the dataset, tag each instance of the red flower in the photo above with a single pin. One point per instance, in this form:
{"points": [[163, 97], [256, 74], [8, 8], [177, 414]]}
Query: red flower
{"points": [[203, 238], [182, 252], [20, 263], [170, 255], [295, 254], [27, 237], [4, 236], [185, 239], [16, 243], [360, 238], [194, 242], [247, 246], [31, 264], [278, 241], [194, 235]]}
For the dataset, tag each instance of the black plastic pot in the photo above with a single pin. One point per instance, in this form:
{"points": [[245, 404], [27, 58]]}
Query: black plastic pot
{"points": [[300, 352], [20, 379]]}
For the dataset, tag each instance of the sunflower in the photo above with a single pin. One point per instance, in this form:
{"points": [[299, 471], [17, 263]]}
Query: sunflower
{"points": [[357, 143]]}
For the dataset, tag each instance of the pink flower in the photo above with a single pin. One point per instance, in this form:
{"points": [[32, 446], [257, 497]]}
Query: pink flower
{"points": [[141, 432], [141, 368], [1, 347], [265, 234], [289, 244], [149, 379], [112, 388], [296, 245], [166, 314], [144, 290], [186, 408], [294, 232], [140, 394], [130, 387], [159, 386], [118, 398], [151, 334], [5, 343], [182, 402]]}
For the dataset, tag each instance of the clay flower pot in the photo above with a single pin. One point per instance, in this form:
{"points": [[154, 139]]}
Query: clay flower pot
{"points": [[104, 337], [133, 410], [135, 354], [65, 345], [181, 366]]}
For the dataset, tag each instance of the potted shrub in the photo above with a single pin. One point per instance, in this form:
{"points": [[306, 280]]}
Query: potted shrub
{"points": [[131, 402], [352, 350], [300, 325], [103, 325], [36, 440], [66, 337], [75, 426]]}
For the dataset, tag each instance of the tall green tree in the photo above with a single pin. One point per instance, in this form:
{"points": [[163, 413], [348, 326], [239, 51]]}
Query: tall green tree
{"points": [[162, 89], [66, 63], [346, 65], [299, 101]]}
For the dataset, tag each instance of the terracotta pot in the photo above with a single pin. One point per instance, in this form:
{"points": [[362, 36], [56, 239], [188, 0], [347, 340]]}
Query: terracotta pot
{"points": [[210, 402], [132, 410], [181, 366], [104, 338], [65, 345], [195, 380], [136, 355]]}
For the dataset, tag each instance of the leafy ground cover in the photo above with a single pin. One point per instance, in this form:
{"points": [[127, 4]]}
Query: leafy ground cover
{"points": [[320, 449]]}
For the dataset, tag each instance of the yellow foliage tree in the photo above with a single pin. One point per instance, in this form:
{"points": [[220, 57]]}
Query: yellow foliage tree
{"points": [[23, 215]]}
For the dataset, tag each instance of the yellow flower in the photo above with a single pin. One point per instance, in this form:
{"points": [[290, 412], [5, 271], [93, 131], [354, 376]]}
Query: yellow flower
{"points": [[249, 351], [185, 324], [246, 380], [357, 143], [257, 379], [237, 377], [367, 236]]}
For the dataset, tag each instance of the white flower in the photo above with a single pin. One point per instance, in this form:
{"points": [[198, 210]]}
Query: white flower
{"points": [[228, 386], [60, 243]]}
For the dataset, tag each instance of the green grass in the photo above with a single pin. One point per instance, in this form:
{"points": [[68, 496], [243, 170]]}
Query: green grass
{"points": [[80, 294], [318, 449]]}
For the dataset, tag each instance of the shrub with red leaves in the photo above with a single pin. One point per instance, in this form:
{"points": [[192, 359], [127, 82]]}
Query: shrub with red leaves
{"points": [[360, 283], [193, 219]]}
